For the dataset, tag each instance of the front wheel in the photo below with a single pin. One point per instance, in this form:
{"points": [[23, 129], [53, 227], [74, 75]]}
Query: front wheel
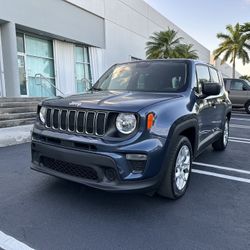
{"points": [[178, 169], [222, 142], [247, 107]]}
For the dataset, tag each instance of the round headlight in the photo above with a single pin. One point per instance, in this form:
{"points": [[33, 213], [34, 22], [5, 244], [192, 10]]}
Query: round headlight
{"points": [[126, 123], [42, 114]]}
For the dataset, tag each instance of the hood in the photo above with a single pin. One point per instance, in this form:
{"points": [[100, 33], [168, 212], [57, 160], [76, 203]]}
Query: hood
{"points": [[112, 100]]}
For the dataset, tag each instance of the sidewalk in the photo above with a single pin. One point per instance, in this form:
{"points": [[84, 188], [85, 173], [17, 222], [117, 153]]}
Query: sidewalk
{"points": [[15, 135]]}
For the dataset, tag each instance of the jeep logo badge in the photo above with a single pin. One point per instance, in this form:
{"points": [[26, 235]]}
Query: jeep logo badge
{"points": [[76, 104]]}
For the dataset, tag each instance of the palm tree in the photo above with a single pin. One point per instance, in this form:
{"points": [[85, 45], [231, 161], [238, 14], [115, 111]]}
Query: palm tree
{"points": [[162, 44], [246, 29], [245, 77], [233, 46], [186, 51]]}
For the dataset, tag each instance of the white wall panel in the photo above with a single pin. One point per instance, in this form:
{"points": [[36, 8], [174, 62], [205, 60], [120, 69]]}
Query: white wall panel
{"points": [[2, 85], [64, 67], [94, 6]]}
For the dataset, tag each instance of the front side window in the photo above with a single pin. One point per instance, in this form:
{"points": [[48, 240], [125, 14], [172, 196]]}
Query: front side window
{"points": [[214, 75], [203, 75], [237, 85], [145, 76]]}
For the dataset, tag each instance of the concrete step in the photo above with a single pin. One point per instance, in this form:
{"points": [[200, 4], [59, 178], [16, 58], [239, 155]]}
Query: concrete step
{"points": [[21, 99], [17, 104], [17, 116], [16, 122], [18, 110]]}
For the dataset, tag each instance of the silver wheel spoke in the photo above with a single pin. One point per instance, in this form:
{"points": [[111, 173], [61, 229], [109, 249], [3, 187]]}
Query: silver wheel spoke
{"points": [[182, 167]]}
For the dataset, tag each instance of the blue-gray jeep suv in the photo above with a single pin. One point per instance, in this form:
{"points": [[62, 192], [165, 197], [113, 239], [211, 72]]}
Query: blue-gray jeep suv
{"points": [[137, 128]]}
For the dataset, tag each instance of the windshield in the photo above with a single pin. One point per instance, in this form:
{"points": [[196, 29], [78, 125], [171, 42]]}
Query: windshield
{"points": [[155, 76]]}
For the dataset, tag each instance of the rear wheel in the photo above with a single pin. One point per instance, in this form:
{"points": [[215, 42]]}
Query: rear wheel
{"points": [[176, 179], [222, 142], [247, 107]]}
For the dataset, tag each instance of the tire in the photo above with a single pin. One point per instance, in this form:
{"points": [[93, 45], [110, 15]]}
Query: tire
{"points": [[171, 184], [222, 142], [247, 107]]}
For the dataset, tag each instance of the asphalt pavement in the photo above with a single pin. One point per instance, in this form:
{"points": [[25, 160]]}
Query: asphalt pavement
{"points": [[44, 212]]}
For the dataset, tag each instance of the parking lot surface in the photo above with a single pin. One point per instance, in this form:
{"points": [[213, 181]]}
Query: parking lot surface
{"points": [[48, 213]]}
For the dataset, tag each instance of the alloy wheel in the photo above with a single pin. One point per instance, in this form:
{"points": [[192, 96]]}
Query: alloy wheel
{"points": [[182, 167]]}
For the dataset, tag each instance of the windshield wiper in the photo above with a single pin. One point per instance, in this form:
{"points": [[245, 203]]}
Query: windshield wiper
{"points": [[95, 89]]}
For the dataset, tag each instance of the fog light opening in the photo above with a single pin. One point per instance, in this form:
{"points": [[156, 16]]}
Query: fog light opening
{"points": [[110, 174], [137, 163]]}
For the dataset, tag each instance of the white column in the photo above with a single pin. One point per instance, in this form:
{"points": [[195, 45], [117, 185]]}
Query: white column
{"points": [[96, 62], [9, 51], [2, 86], [64, 67]]}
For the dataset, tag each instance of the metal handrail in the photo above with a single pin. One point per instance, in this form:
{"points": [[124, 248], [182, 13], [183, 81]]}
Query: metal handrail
{"points": [[84, 79], [41, 76]]}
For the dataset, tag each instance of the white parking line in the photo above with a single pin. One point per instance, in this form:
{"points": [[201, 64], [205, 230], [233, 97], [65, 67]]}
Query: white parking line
{"points": [[223, 176], [246, 142], [232, 125], [223, 168], [9, 243], [240, 119], [239, 138], [240, 115]]}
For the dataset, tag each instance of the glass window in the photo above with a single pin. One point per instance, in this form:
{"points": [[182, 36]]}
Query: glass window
{"points": [[236, 85], [38, 47], [214, 76], [82, 68], [22, 74], [145, 76], [203, 75], [20, 42]]}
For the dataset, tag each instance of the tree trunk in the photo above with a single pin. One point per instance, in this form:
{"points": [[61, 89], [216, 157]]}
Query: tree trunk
{"points": [[234, 68]]}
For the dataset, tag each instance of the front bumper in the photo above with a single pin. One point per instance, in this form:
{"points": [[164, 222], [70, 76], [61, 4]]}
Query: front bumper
{"points": [[93, 168]]}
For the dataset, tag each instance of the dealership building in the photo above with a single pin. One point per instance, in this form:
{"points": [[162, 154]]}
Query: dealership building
{"points": [[54, 47]]}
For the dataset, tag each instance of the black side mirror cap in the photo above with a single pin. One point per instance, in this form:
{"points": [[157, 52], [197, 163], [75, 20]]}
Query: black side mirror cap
{"points": [[245, 88], [211, 89]]}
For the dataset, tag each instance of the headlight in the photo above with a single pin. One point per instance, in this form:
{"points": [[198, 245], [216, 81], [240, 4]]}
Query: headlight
{"points": [[126, 123], [42, 114]]}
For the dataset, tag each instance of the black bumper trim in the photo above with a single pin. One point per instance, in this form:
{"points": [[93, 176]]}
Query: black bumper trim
{"points": [[93, 160]]}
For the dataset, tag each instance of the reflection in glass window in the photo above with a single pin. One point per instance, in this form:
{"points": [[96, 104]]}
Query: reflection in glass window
{"points": [[236, 85], [82, 69], [203, 75], [214, 76], [20, 42], [152, 76]]}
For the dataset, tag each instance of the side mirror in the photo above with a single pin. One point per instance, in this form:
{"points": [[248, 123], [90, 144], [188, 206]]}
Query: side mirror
{"points": [[244, 88], [211, 89]]}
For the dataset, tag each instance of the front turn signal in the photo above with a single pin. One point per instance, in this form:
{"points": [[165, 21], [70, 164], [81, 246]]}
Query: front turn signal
{"points": [[150, 120]]}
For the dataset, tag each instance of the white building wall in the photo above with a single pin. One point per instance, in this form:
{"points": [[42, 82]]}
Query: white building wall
{"points": [[128, 25], [2, 85], [226, 69]]}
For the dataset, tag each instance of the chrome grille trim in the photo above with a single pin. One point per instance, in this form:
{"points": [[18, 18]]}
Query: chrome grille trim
{"points": [[86, 115]]}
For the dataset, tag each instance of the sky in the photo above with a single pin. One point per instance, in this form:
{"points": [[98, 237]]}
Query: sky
{"points": [[203, 19]]}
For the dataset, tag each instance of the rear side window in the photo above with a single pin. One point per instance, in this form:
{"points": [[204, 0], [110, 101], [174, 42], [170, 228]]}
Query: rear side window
{"points": [[214, 75]]}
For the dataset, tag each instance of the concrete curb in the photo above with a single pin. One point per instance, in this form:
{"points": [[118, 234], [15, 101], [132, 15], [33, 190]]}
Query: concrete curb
{"points": [[15, 135]]}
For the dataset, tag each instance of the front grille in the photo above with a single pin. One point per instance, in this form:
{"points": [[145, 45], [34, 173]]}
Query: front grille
{"points": [[70, 169], [79, 121]]}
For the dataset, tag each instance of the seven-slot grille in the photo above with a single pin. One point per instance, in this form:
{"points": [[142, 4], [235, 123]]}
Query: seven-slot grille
{"points": [[80, 121]]}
